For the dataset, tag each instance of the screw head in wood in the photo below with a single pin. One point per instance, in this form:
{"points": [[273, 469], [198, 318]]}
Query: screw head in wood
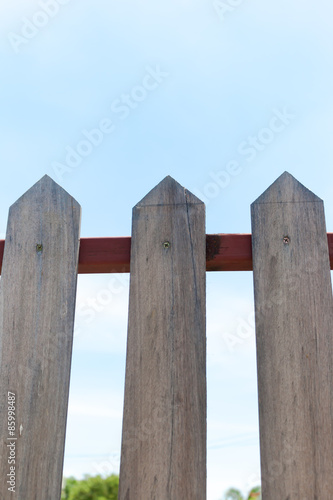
{"points": [[166, 244], [286, 240], [39, 248]]}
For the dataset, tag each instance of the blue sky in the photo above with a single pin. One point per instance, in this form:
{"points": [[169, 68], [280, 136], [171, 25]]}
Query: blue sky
{"points": [[222, 96]]}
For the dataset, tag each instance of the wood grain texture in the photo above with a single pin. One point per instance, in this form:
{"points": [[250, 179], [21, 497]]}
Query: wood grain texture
{"points": [[164, 424], [37, 302], [294, 327]]}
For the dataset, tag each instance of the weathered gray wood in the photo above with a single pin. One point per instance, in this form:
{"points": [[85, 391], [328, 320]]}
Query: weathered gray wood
{"points": [[37, 301], [294, 327], [164, 425]]}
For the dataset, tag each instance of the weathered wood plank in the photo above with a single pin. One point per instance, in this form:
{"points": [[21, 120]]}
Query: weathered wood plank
{"points": [[37, 301], [294, 327], [164, 425]]}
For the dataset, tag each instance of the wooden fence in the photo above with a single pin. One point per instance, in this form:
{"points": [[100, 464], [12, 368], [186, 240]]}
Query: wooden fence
{"points": [[163, 455]]}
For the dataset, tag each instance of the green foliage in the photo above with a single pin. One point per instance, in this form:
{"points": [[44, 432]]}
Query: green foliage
{"points": [[233, 494], [69, 483], [91, 488], [99, 488], [255, 494]]}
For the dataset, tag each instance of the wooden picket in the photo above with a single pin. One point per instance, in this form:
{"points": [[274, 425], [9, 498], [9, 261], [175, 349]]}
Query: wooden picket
{"points": [[294, 327], [37, 301], [164, 425], [163, 454]]}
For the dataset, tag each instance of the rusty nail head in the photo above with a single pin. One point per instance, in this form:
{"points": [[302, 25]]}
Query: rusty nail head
{"points": [[39, 247], [286, 240], [166, 244]]}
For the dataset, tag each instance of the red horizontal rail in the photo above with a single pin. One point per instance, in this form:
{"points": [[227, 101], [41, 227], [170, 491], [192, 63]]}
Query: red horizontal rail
{"points": [[224, 252], [104, 255]]}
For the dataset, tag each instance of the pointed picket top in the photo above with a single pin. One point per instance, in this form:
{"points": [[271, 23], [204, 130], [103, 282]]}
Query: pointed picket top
{"points": [[168, 192], [44, 185], [286, 189]]}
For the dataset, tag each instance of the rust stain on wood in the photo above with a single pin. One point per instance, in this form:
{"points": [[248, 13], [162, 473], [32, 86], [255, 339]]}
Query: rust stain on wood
{"points": [[213, 242]]}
